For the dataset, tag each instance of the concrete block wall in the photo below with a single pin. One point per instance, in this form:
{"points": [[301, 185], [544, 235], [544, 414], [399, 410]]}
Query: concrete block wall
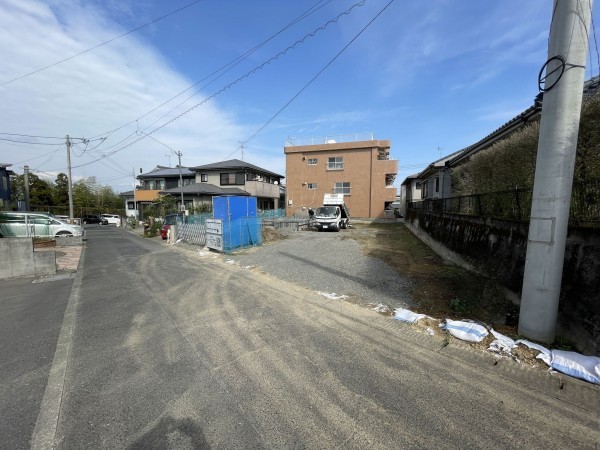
{"points": [[497, 248], [17, 259]]}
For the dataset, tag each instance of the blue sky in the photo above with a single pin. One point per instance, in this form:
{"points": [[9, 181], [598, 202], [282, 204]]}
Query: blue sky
{"points": [[431, 77]]}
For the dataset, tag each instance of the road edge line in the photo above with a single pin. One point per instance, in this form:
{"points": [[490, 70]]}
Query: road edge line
{"points": [[44, 433]]}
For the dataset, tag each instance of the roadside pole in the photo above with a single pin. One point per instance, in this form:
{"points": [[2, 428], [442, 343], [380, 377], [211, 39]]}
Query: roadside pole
{"points": [[565, 73], [26, 187], [71, 221]]}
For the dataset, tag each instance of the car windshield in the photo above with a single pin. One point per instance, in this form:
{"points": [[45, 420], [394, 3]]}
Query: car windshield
{"points": [[327, 211]]}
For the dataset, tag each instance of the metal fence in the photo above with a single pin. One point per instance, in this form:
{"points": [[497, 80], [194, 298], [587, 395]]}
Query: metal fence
{"points": [[333, 138], [515, 204], [192, 233]]}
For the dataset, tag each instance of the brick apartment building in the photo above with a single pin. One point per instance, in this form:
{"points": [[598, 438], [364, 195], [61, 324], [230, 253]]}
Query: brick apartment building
{"points": [[361, 170]]}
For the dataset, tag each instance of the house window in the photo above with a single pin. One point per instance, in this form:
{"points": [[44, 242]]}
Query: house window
{"points": [[130, 205], [342, 188], [150, 184], [425, 190], [312, 161], [418, 185], [204, 177], [160, 184], [335, 163], [436, 182], [312, 186], [238, 178]]}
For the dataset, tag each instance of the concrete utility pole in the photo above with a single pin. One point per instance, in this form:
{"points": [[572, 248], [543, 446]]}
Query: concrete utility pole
{"points": [[559, 128], [182, 207], [70, 183], [26, 186]]}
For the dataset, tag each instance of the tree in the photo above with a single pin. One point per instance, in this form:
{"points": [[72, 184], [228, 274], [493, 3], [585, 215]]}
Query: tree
{"points": [[61, 190], [40, 191]]}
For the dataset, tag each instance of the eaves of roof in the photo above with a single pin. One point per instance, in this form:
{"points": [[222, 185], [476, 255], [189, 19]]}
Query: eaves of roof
{"points": [[531, 113], [414, 176], [204, 189], [235, 164]]}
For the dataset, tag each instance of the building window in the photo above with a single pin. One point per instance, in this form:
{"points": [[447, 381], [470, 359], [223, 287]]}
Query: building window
{"points": [[160, 185], [149, 185], [130, 205], [436, 181], [238, 178], [203, 177], [342, 188], [418, 185], [312, 186], [312, 161], [335, 163], [425, 190]]}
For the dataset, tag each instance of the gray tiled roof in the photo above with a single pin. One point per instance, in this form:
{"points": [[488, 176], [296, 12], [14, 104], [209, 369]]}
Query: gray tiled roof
{"points": [[168, 172], [235, 164]]}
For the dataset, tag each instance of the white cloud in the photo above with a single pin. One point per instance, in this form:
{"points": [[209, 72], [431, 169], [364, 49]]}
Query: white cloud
{"points": [[95, 92]]}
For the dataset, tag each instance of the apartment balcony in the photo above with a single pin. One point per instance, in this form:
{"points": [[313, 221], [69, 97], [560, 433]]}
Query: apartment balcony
{"points": [[387, 166], [262, 189], [145, 195]]}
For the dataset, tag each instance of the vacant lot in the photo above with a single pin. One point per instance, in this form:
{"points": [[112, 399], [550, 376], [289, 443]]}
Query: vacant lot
{"points": [[437, 288], [381, 263]]}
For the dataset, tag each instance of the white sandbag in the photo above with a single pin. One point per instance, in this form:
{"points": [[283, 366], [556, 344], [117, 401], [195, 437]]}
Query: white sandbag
{"points": [[467, 331], [544, 354], [502, 344], [333, 295], [577, 365], [404, 315]]}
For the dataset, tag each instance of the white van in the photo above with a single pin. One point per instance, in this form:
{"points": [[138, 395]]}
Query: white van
{"points": [[34, 224]]}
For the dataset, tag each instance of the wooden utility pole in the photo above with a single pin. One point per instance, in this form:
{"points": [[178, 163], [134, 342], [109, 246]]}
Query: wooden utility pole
{"points": [[563, 91]]}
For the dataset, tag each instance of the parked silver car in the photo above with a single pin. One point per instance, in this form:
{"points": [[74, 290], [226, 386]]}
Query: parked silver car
{"points": [[34, 224]]}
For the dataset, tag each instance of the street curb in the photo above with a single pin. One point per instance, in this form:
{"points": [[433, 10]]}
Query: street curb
{"points": [[44, 433]]}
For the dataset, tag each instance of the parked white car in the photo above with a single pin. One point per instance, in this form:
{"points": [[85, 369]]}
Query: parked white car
{"points": [[35, 224], [112, 219]]}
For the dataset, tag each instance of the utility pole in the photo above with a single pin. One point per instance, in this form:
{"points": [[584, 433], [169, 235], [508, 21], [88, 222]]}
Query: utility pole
{"points": [[68, 142], [26, 186], [565, 73], [182, 208]]}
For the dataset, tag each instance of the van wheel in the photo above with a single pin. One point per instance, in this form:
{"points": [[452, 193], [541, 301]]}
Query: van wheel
{"points": [[84, 221]]}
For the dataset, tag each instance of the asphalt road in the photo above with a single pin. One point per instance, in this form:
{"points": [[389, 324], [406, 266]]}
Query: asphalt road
{"points": [[31, 316], [170, 349]]}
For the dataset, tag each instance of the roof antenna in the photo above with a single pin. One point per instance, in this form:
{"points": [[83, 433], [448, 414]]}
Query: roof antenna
{"points": [[242, 147]]}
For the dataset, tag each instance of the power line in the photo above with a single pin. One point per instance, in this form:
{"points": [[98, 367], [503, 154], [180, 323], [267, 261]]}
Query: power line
{"points": [[228, 66], [319, 73], [30, 136], [100, 45], [246, 75], [26, 142]]}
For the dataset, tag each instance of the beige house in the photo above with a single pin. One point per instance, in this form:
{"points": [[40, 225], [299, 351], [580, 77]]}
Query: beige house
{"points": [[361, 170]]}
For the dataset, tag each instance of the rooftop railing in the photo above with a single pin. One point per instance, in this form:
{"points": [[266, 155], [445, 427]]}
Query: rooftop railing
{"points": [[329, 139]]}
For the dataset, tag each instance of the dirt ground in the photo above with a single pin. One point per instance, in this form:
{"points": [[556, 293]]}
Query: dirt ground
{"points": [[441, 290]]}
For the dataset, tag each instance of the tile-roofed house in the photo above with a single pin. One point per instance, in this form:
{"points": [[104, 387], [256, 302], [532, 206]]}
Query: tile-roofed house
{"points": [[202, 183]]}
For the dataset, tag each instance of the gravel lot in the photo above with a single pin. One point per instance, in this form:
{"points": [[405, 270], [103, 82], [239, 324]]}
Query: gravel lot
{"points": [[329, 263]]}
